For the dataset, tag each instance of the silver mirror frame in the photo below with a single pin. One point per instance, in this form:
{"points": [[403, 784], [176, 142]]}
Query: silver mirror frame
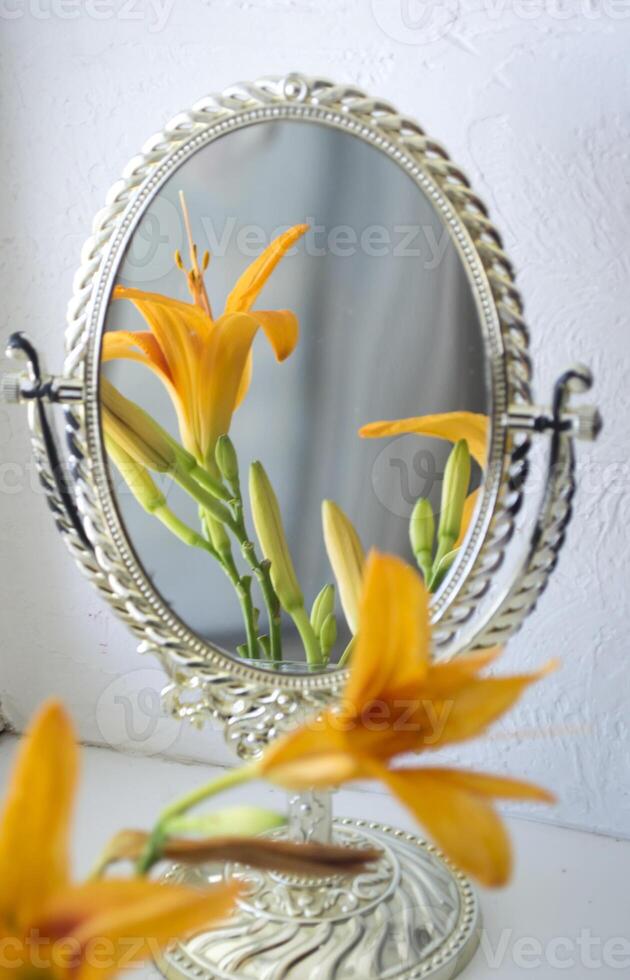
{"points": [[253, 703]]}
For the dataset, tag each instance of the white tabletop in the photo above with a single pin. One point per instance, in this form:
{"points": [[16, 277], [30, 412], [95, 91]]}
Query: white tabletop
{"points": [[565, 913]]}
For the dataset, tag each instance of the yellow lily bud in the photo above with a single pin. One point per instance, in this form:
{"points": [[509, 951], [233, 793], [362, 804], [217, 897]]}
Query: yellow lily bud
{"points": [[346, 556], [272, 537], [149, 445], [136, 477], [227, 460], [454, 493], [422, 534], [135, 431], [323, 606], [149, 496]]}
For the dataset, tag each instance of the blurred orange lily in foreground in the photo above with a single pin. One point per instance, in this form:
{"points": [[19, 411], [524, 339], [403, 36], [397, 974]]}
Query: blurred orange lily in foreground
{"points": [[396, 701], [206, 364], [52, 928]]}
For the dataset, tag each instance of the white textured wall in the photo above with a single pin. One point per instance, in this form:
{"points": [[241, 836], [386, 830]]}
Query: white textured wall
{"points": [[532, 100]]}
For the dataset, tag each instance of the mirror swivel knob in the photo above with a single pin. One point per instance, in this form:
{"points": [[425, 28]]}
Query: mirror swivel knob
{"points": [[587, 422], [11, 389]]}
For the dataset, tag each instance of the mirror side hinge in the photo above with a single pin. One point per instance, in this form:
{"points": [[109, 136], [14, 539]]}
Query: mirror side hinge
{"points": [[20, 389], [38, 391], [582, 422], [547, 538]]}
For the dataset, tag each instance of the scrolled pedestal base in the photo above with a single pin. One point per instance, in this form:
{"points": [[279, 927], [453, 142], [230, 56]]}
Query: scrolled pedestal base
{"points": [[410, 915]]}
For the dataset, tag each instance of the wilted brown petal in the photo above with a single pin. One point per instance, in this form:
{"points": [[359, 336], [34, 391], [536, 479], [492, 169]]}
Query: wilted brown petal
{"points": [[271, 855]]}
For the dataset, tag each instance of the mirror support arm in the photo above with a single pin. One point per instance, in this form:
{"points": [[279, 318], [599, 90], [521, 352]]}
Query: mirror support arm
{"points": [[565, 423], [38, 390]]}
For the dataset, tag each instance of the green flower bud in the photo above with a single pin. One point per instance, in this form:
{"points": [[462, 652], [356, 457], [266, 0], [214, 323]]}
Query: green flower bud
{"points": [[272, 537], [328, 635], [227, 461], [235, 821], [323, 606], [454, 493], [217, 535], [422, 534]]}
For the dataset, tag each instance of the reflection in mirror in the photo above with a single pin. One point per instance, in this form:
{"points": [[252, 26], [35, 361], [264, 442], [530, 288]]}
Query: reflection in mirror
{"points": [[293, 287]]}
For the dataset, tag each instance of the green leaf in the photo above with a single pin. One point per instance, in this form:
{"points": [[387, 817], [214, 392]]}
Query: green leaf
{"points": [[440, 571]]}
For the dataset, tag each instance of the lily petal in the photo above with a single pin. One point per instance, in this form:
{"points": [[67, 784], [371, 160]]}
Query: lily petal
{"points": [[458, 818], [138, 345], [115, 923], [221, 369], [182, 331], [474, 707], [453, 426], [282, 330], [392, 648], [447, 676], [470, 506], [35, 824], [251, 282], [315, 756], [494, 787]]}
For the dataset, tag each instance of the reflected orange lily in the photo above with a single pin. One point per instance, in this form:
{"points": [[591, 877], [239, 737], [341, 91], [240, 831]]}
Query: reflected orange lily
{"points": [[206, 364], [396, 702], [452, 426], [53, 928]]}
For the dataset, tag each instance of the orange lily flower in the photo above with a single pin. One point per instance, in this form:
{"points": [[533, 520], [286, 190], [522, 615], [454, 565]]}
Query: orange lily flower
{"points": [[206, 364], [53, 928], [397, 701]]}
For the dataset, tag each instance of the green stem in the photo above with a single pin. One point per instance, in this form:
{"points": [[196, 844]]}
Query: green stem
{"points": [[206, 500], [272, 603], [227, 780], [261, 570], [216, 488], [309, 639], [177, 527], [242, 586]]}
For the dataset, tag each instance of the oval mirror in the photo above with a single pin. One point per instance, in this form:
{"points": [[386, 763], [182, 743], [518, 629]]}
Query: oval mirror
{"points": [[296, 286], [295, 336]]}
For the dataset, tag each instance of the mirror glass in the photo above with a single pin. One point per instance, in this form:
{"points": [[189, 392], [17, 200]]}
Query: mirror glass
{"points": [[366, 317]]}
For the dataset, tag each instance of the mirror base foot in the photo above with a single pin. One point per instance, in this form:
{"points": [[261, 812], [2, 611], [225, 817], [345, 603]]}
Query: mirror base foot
{"points": [[411, 915]]}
